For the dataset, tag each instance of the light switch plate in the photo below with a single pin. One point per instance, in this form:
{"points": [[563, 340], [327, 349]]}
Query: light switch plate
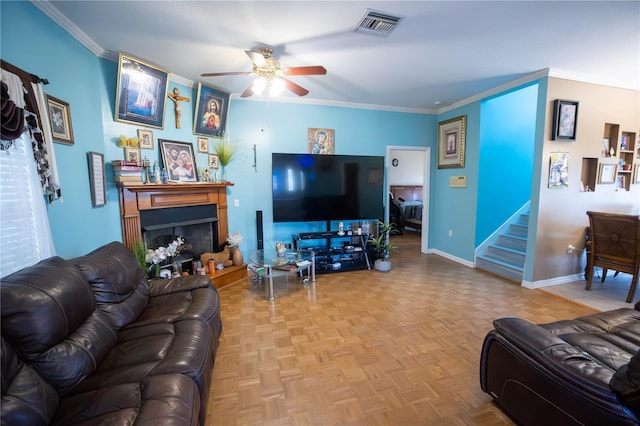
{"points": [[458, 181]]}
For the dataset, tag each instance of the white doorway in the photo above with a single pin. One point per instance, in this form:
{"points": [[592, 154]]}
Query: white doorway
{"points": [[421, 170]]}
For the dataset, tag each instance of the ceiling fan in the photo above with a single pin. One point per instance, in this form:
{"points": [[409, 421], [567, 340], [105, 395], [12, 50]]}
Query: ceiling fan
{"points": [[269, 72]]}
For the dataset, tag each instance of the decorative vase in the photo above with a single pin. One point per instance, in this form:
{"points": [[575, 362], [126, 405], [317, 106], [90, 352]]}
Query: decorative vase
{"points": [[236, 257]]}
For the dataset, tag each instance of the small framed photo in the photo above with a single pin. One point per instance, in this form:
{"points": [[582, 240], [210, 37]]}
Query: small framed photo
{"points": [[203, 144], [96, 178], [565, 119], [60, 120], [132, 154], [179, 160], [211, 111], [141, 93], [213, 161], [451, 142], [145, 138], [620, 181], [607, 173]]}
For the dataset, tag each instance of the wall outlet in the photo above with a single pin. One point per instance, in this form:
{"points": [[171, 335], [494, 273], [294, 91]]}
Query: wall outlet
{"points": [[236, 203], [451, 232], [570, 249]]}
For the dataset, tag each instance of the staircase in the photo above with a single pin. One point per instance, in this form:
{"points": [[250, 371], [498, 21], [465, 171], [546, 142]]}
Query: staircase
{"points": [[505, 253]]}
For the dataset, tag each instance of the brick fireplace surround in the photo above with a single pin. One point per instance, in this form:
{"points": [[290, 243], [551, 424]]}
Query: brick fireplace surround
{"points": [[138, 197]]}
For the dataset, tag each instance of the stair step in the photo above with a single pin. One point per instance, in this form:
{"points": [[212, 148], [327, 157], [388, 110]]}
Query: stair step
{"points": [[513, 241], [498, 267], [518, 229], [506, 254], [524, 219]]}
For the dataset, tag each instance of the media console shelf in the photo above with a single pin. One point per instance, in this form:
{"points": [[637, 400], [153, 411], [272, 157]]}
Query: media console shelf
{"points": [[336, 252]]}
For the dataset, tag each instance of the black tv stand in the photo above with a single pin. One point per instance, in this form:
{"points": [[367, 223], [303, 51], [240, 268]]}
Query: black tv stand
{"points": [[339, 252]]}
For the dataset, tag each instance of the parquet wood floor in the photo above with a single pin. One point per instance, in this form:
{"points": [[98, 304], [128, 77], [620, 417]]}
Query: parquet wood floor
{"points": [[367, 348]]}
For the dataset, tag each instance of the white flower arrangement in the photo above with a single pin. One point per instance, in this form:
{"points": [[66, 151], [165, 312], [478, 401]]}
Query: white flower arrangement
{"points": [[162, 253], [234, 239]]}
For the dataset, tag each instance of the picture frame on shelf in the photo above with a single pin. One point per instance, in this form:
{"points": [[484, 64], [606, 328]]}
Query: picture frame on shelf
{"points": [[214, 162], [60, 120], [179, 160], [96, 179], [565, 119], [451, 142], [620, 182], [203, 145], [141, 93], [145, 139], [211, 111], [607, 173], [132, 154]]}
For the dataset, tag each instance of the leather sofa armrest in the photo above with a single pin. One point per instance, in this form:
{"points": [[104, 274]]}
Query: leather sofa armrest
{"points": [[626, 383], [526, 334], [159, 287]]}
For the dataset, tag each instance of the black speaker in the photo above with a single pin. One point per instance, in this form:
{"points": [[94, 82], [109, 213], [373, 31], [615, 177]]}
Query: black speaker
{"points": [[259, 236]]}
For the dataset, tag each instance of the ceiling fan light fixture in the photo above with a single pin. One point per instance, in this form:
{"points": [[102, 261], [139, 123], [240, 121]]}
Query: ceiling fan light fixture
{"points": [[259, 85], [276, 86]]}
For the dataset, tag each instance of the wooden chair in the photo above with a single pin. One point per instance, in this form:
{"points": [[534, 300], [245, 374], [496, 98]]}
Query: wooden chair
{"points": [[615, 244]]}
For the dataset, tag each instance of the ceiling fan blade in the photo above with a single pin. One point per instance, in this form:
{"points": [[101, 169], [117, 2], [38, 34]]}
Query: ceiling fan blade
{"points": [[297, 89], [247, 92], [257, 58], [311, 70], [218, 74]]}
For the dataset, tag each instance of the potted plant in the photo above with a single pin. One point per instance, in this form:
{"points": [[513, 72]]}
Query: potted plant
{"points": [[225, 150], [382, 246]]}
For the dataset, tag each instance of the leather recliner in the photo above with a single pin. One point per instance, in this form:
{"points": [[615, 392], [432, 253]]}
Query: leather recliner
{"points": [[91, 340]]}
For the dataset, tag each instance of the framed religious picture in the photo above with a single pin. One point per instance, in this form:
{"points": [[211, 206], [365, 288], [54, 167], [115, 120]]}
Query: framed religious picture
{"points": [[321, 141], [179, 160], [145, 139], [203, 144], [211, 111], [451, 142], [60, 120], [141, 93], [565, 119]]}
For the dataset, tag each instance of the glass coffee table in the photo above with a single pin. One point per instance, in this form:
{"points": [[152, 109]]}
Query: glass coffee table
{"points": [[268, 264]]}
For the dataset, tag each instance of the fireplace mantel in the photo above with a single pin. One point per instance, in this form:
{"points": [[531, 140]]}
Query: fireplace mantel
{"points": [[137, 197]]}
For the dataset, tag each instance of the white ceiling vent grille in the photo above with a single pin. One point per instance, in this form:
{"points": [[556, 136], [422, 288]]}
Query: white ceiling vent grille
{"points": [[377, 23]]}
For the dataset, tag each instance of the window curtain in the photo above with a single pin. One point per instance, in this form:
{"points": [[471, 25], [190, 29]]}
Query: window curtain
{"points": [[25, 170]]}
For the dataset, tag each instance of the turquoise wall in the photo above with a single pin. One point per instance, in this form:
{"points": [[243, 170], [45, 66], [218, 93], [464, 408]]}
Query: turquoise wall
{"points": [[88, 84], [507, 134], [454, 209]]}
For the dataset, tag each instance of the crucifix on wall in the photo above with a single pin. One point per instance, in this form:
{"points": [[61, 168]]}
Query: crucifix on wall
{"points": [[177, 100]]}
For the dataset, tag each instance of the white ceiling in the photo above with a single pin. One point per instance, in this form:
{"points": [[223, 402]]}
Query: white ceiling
{"points": [[442, 51]]}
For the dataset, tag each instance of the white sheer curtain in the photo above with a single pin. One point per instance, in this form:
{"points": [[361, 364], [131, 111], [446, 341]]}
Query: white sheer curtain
{"points": [[25, 235]]}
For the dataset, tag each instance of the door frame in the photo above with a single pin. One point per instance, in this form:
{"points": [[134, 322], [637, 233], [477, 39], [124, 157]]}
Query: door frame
{"points": [[426, 189]]}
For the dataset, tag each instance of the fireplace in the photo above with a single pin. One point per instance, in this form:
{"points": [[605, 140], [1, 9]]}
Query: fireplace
{"points": [[158, 204], [197, 225]]}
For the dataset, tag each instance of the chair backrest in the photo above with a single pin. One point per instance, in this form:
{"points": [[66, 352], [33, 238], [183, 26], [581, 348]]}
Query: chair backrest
{"points": [[615, 241]]}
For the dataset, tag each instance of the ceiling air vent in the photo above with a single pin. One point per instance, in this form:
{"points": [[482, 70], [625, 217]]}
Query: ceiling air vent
{"points": [[377, 23]]}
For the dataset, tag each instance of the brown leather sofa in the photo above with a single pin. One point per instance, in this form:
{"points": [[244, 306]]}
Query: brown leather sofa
{"points": [[91, 341], [583, 371]]}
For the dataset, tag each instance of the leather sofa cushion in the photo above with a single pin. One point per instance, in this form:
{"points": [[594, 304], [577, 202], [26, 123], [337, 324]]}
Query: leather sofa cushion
{"points": [[117, 281], [27, 398], [154, 349], [49, 314], [626, 383], [168, 400]]}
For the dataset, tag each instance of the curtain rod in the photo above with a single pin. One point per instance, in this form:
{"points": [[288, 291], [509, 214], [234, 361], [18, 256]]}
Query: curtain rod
{"points": [[21, 73]]}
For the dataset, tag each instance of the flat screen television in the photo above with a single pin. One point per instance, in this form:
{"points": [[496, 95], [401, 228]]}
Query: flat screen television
{"points": [[310, 187]]}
